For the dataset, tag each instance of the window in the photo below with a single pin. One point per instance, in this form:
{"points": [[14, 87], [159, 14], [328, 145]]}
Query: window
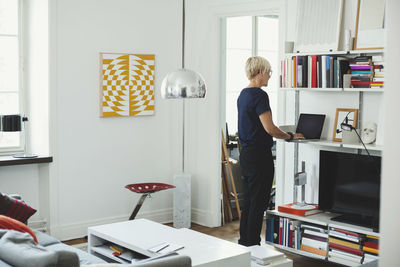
{"points": [[247, 36], [10, 68]]}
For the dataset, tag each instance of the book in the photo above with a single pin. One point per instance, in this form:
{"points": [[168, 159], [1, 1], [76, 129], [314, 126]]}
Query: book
{"points": [[313, 228], [314, 71], [316, 233], [343, 261], [314, 250], [344, 243], [314, 243], [345, 256], [264, 256], [371, 245], [372, 250], [299, 210], [344, 236], [347, 249], [314, 237]]}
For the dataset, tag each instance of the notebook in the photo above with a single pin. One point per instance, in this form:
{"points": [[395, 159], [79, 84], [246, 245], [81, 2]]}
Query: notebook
{"points": [[310, 125], [265, 256]]}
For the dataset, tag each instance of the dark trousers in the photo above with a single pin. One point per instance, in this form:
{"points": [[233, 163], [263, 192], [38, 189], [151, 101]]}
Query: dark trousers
{"points": [[257, 168]]}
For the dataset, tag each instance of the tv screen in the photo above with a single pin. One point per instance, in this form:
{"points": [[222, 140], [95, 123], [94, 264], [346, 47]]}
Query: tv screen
{"points": [[349, 184]]}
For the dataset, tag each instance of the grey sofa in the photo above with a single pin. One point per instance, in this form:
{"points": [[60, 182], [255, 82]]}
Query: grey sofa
{"points": [[18, 249]]}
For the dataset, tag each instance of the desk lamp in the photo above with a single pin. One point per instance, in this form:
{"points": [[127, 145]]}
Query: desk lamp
{"points": [[181, 84], [348, 127], [12, 123]]}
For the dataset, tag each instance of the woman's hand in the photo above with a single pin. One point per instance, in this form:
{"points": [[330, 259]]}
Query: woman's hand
{"points": [[298, 136]]}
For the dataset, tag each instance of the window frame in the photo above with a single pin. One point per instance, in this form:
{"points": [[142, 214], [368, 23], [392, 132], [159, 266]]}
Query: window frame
{"points": [[254, 52], [9, 150]]}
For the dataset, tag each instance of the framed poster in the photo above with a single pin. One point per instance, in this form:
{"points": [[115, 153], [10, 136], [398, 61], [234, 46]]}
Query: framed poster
{"points": [[370, 25], [126, 85], [344, 115]]}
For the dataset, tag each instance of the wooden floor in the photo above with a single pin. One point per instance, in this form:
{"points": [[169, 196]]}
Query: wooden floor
{"points": [[230, 232]]}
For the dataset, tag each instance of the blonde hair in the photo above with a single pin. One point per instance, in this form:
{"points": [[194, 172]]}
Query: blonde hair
{"points": [[256, 65]]}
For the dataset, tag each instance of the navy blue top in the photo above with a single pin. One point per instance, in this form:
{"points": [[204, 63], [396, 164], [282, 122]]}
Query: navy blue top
{"points": [[251, 103]]}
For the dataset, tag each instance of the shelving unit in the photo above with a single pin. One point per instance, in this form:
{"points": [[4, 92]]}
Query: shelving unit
{"points": [[323, 220]]}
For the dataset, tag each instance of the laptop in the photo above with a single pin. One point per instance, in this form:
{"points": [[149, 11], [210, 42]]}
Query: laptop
{"points": [[310, 125]]}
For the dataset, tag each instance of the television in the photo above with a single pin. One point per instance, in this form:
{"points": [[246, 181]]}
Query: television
{"points": [[349, 184]]}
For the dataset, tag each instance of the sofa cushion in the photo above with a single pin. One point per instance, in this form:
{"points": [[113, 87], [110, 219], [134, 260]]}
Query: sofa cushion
{"points": [[11, 224], [15, 208], [45, 239], [18, 249], [84, 257]]}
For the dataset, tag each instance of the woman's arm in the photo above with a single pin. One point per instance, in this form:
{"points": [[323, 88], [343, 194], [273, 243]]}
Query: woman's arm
{"points": [[269, 126]]}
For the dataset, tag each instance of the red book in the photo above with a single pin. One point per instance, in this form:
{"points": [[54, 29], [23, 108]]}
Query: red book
{"points": [[291, 229], [346, 232], [280, 230], [360, 82], [314, 71], [371, 245], [347, 249], [300, 211]]}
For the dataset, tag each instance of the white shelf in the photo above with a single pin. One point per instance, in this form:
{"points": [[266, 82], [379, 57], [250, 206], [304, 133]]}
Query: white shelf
{"points": [[353, 228], [327, 89], [351, 52], [369, 90], [341, 145], [299, 252], [322, 219]]}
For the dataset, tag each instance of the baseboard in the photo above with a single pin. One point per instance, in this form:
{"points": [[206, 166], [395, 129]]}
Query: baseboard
{"points": [[78, 230], [205, 218]]}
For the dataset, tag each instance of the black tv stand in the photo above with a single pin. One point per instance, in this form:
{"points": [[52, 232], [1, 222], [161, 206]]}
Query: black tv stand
{"points": [[368, 222]]}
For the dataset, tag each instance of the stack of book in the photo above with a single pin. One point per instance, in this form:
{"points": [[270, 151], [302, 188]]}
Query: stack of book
{"points": [[345, 247], [289, 233], [361, 72], [315, 71], [314, 240], [371, 248], [378, 78]]}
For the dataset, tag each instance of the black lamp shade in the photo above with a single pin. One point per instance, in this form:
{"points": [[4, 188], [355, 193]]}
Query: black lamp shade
{"points": [[11, 123]]}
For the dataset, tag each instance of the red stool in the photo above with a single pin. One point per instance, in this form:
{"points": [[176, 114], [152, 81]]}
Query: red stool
{"points": [[146, 189]]}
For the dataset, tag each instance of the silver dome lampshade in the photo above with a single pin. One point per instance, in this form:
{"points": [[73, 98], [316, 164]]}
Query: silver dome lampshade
{"points": [[183, 83]]}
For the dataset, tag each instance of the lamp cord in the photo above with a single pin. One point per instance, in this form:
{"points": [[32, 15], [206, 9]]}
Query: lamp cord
{"points": [[183, 100], [183, 34], [369, 155], [359, 137]]}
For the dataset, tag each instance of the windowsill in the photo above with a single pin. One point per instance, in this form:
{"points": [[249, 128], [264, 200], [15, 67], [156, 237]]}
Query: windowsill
{"points": [[9, 160]]}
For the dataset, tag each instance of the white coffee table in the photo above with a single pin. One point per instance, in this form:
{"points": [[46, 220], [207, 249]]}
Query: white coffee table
{"points": [[139, 235]]}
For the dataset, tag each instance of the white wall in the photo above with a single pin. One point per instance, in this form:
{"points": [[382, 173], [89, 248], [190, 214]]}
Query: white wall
{"points": [[94, 158], [390, 215]]}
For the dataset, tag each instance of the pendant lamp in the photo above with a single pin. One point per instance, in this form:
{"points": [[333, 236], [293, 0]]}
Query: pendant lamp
{"points": [[183, 83]]}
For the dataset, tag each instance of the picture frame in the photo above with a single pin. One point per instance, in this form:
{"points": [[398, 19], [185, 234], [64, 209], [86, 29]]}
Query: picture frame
{"points": [[341, 114], [370, 25]]}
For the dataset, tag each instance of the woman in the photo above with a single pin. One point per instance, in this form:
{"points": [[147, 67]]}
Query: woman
{"points": [[256, 130]]}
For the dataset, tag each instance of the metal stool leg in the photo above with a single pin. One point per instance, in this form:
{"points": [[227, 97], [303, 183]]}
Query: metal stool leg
{"points": [[138, 206]]}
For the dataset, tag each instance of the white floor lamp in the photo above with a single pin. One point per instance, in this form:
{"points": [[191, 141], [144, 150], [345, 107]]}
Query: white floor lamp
{"points": [[181, 84]]}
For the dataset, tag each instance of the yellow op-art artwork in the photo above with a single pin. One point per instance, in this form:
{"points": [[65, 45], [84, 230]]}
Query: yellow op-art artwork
{"points": [[127, 85]]}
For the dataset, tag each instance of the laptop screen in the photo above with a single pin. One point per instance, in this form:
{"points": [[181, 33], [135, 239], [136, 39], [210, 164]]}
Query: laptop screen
{"points": [[310, 125]]}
